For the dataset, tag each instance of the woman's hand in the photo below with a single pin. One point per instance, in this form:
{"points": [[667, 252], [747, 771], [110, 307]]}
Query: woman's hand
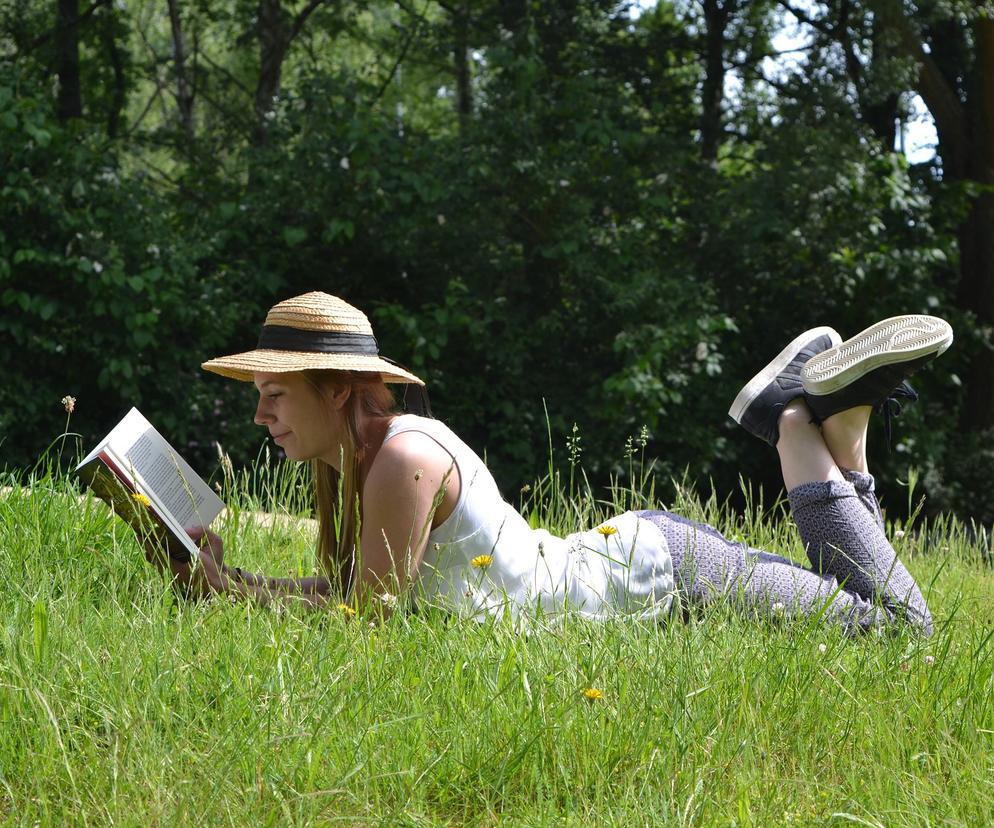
{"points": [[208, 577], [210, 543], [196, 580]]}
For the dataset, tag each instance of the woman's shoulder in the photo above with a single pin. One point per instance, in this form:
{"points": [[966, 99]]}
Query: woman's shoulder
{"points": [[413, 461], [414, 430], [410, 439]]}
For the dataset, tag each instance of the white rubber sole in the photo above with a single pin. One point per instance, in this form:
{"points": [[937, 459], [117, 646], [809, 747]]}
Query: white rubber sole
{"points": [[898, 339], [755, 386]]}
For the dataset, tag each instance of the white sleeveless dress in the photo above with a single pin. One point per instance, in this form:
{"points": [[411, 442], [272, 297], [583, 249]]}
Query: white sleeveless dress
{"points": [[485, 559]]}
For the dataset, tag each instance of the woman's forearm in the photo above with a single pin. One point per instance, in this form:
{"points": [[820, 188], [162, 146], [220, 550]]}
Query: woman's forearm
{"points": [[313, 592], [316, 585], [263, 594]]}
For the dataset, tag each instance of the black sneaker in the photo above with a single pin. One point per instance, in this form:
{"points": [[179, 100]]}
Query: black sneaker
{"points": [[758, 405], [866, 369]]}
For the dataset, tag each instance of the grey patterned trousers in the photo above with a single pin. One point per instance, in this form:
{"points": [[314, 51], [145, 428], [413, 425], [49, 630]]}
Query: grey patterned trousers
{"points": [[843, 533]]}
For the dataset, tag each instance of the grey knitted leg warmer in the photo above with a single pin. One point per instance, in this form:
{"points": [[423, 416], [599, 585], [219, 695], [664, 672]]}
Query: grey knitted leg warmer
{"points": [[844, 538]]}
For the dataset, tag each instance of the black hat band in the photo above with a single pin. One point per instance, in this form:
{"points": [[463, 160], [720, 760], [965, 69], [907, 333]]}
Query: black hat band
{"points": [[285, 338]]}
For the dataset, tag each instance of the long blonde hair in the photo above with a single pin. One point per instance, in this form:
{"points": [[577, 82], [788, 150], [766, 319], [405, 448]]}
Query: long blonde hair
{"points": [[336, 494]]}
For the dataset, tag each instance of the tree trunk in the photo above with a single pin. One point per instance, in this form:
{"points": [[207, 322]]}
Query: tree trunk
{"points": [[961, 101], [515, 18], [880, 112], [70, 100], [184, 93], [976, 234], [716, 14], [274, 40], [460, 54], [119, 90]]}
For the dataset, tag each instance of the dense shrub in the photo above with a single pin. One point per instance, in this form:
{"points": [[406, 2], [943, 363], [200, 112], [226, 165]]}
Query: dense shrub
{"points": [[560, 255]]}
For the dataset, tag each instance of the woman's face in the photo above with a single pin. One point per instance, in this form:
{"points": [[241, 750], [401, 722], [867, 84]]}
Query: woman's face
{"points": [[300, 421]]}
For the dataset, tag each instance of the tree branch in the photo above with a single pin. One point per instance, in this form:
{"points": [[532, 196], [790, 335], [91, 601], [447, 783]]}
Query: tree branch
{"points": [[940, 98], [741, 64], [853, 66], [301, 19], [227, 74], [46, 36], [231, 115], [804, 17], [141, 117], [415, 29]]}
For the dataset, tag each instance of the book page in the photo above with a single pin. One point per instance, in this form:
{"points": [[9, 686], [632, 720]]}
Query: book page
{"points": [[159, 469], [105, 478], [162, 471]]}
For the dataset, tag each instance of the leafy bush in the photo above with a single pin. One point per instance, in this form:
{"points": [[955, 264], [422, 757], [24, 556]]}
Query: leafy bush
{"points": [[100, 292]]}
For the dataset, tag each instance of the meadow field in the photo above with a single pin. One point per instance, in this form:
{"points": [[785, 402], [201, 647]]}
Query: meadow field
{"points": [[122, 704]]}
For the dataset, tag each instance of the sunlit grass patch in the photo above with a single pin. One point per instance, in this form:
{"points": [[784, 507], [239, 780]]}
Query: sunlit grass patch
{"points": [[120, 702]]}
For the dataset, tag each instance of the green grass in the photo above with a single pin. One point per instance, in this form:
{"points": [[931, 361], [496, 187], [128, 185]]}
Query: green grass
{"points": [[120, 703]]}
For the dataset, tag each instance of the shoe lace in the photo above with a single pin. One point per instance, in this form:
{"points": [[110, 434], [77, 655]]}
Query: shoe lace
{"points": [[892, 407]]}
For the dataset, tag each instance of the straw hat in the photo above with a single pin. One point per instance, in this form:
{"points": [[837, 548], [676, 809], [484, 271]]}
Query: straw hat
{"points": [[314, 330]]}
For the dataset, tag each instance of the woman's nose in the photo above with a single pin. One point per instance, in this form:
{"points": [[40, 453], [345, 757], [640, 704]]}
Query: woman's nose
{"points": [[262, 415]]}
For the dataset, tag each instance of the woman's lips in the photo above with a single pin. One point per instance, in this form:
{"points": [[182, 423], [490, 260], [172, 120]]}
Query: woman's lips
{"points": [[278, 437]]}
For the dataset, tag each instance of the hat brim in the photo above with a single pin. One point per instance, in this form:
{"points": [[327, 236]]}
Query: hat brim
{"points": [[244, 366]]}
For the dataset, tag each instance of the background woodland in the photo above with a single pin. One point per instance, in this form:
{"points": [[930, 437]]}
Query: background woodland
{"points": [[563, 207]]}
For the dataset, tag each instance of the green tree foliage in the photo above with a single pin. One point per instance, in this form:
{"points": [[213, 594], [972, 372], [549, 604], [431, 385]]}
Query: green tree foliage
{"points": [[101, 295], [540, 205]]}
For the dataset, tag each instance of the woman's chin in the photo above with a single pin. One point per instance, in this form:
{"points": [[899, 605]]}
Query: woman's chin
{"points": [[292, 453]]}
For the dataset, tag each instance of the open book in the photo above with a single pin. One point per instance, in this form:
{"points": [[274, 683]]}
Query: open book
{"points": [[145, 481]]}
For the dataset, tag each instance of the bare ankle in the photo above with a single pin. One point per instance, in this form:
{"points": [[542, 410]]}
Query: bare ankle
{"points": [[795, 414], [845, 436], [854, 419]]}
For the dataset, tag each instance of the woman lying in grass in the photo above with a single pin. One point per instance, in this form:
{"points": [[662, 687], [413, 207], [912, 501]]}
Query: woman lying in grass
{"points": [[428, 517]]}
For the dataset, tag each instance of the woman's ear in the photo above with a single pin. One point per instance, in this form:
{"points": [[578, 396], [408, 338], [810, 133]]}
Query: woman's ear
{"points": [[338, 394]]}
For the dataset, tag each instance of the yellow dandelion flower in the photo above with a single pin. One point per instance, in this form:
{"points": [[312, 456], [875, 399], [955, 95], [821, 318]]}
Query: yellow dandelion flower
{"points": [[592, 694], [141, 500], [481, 561], [606, 530], [346, 610]]}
